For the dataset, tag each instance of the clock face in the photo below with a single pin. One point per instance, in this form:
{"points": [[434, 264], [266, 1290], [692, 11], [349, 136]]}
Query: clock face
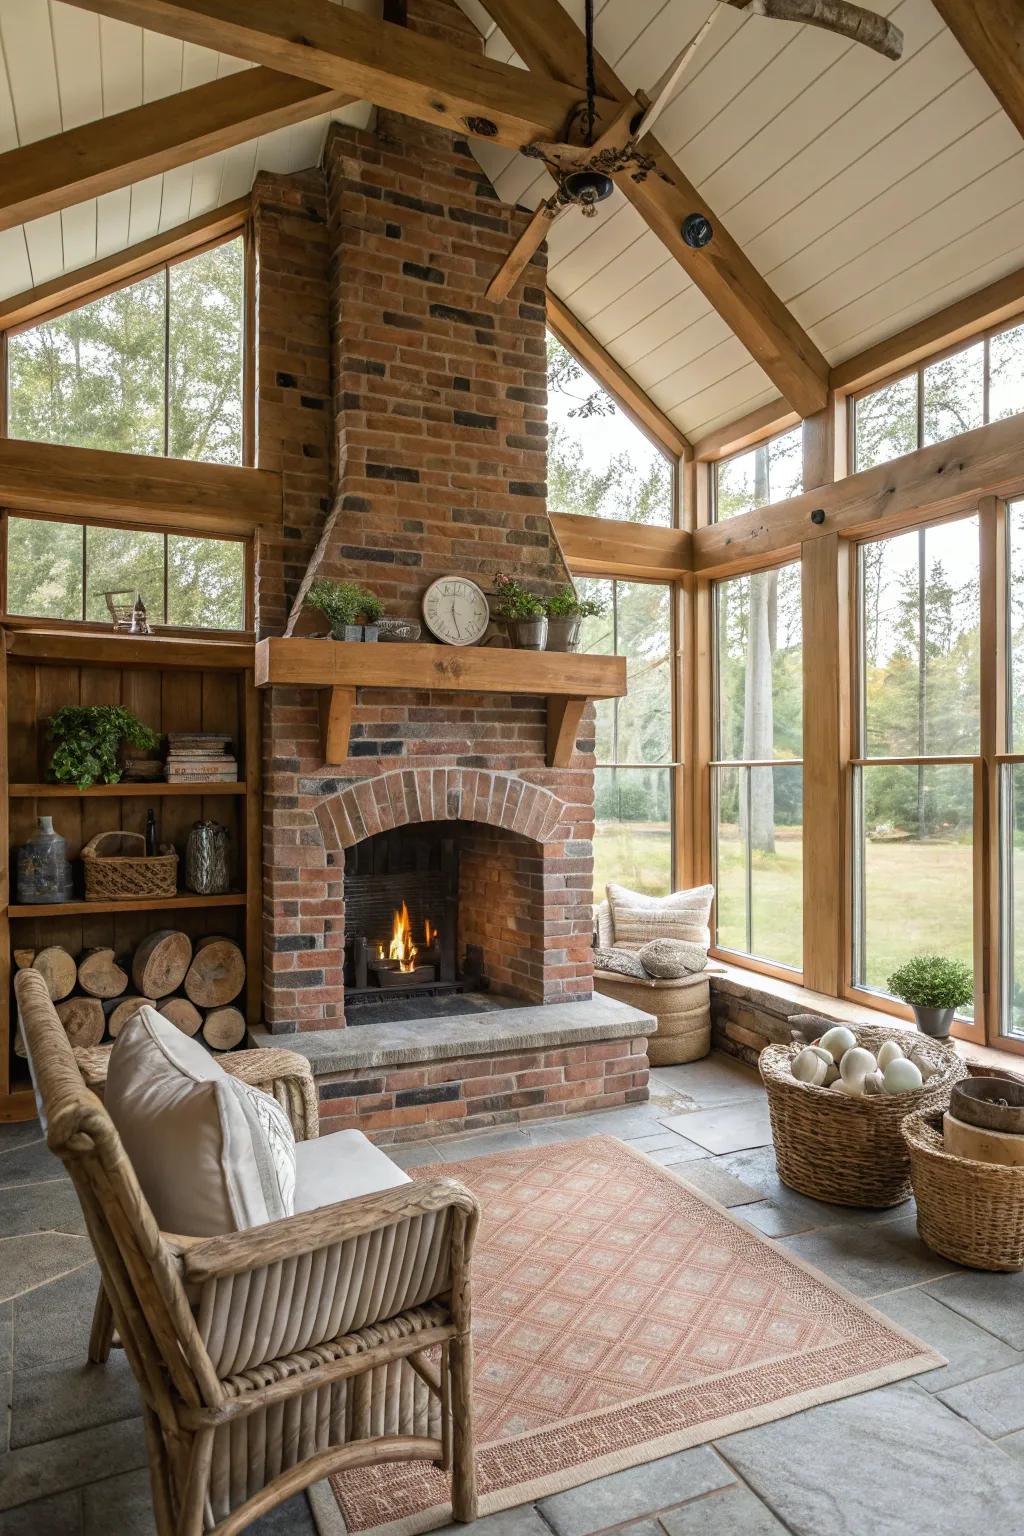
{"points": [[456, 610]]}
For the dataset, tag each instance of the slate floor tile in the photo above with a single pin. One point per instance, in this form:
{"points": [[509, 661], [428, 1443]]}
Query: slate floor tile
{"points": [[48, 1206], [893, 1462], [993, 1301], [625, 1496], [123, 1504], [57, 1516], [716, 1079], [731, 1511], [521, 1521], [775, 1220], [28, 1163], [720, 1184], [414, 1154], [34, 1258], [53, 1322], [6, 1334], [727, 1127], [869, 1260], [19, 1135], [994, 1403], [970, 1350], [56, 1400], [682, 1151], [37, 1471], [454, 1149]]}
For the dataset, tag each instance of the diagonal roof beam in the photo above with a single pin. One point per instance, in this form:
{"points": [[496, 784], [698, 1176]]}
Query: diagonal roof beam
{"points": [[991, 33], [54, 173], [548, 41], [371, 60]]}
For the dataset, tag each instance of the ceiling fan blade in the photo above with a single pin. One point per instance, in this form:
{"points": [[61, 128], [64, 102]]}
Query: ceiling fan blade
{"points": [[518, 258], [840, 16], [662, 93]]}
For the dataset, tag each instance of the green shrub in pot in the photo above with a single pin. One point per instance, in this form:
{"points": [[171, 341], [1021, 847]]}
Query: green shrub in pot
{"points": [[350, 609], [88, 739], [935, 987], [566, 612], [522, 613]]}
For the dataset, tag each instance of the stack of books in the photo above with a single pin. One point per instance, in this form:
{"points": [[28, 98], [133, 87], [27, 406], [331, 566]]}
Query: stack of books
{"points": [[200, 757]]}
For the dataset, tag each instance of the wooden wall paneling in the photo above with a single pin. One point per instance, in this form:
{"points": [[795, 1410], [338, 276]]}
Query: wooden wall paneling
{"points": [[993, 644], [825, 588], [253, 843], [5, 890], [221, 711]]}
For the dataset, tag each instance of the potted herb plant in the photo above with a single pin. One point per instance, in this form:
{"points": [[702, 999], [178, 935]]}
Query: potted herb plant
{"points": [[350, 609], [88, 739], [935, 988], [522, 613], [566, 613]]}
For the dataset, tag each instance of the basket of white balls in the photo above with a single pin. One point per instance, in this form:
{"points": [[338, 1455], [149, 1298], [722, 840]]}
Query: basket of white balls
{"points": [[836, 1108]]}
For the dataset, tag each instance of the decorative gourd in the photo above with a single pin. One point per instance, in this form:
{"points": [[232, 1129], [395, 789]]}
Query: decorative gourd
{"points": [[874, 1083], [831, 1074], [889, 1051], [902, 1076], [853, 1087], [808, 1067], [856, 1064], [838, 1041]]}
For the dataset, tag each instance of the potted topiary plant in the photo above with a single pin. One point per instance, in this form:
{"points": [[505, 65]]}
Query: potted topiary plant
{"points": [[522, 613], [88, 739], [350, 609], [935, 988], [566, 613]]}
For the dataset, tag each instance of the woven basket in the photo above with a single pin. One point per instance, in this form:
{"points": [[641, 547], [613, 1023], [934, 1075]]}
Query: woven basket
{"points": [[970, 1212], [849, 1151], [118, 869]]}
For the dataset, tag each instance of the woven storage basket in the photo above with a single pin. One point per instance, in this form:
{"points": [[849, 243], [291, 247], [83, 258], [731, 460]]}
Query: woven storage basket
{"points": [[849, 1151], [683, 1013], [970, 1212], [117, 868]]}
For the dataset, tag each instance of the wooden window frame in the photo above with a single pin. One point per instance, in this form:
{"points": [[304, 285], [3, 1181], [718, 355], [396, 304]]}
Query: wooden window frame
{"points": [[716, 464]]}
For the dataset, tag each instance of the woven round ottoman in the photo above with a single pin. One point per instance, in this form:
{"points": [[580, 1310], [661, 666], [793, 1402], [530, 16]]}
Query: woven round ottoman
{"points": [[682, 1009], [970, 1212]]}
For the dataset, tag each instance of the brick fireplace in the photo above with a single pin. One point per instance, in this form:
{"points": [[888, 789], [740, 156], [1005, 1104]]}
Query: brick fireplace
{"points": [[408, 417]]}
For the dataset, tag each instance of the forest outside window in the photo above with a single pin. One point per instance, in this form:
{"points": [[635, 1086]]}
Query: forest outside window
{"points": [[633, 783], [154, 367], [769, 472], [599, 463], [757, 775], [1011, 788], [978, 383], [59, 570], [918, 607]]}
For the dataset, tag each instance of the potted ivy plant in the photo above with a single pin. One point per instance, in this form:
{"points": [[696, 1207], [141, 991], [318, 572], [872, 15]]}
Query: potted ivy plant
{"points": [[88, 739], [935, 987], [522, 613], [350, 609], [566, 612]]}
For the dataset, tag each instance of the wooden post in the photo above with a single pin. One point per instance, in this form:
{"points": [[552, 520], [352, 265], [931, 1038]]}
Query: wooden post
{"points": [[993, 643], [825, 591], [336, 706]]}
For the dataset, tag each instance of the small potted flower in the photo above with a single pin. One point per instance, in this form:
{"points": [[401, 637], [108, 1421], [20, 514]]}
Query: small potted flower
{"points": [[522, 613], [935, 988], [351, 611], [566, 613]]}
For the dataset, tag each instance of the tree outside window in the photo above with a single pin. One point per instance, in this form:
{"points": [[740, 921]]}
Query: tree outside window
{"points": [[769, 472]]}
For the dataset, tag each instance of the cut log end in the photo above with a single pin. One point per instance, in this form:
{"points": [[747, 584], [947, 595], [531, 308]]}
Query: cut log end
{"points": [[161, 962], [123, 1011], [100, 975], [181, 1013], [217, 973], [58, 970], [83, 1019], [223, 1028]]}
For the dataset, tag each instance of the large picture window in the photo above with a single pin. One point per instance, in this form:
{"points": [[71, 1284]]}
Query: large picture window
{"points": [[154, 367], [633, 785], [757, 775], [769, 472], [599, 463], [919, 739], [980, 382]]}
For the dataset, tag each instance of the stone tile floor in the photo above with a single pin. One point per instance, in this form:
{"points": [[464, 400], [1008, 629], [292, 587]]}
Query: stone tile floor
{"points": [[941, 1453]]}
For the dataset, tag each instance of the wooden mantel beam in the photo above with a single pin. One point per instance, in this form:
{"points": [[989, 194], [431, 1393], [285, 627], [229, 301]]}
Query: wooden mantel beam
{"points": [[991, 33], [549, 42], [371, 60], [112, 152]]}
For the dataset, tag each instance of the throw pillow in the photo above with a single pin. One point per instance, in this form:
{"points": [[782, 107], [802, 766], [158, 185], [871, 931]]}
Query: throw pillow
{"points": [[280, 1138], [636, 918], [194, 1135], [668, 959], [621, 962]]}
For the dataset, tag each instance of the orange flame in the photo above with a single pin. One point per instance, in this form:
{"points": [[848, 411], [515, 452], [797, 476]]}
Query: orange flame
{"points": [[429, 932], [402, 948]]}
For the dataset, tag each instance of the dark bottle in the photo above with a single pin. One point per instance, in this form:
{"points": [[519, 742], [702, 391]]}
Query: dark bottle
{"points": [[151, 834]]}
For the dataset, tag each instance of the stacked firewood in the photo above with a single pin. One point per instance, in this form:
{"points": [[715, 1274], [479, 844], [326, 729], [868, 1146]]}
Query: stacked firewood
{"points": [[193, 986]]}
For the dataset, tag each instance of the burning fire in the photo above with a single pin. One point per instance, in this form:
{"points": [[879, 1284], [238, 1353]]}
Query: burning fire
{"points": [[402, 947], [429, 932]]}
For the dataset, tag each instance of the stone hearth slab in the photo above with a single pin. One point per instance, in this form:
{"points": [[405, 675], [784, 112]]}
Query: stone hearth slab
{"points": [[455, 1036]]}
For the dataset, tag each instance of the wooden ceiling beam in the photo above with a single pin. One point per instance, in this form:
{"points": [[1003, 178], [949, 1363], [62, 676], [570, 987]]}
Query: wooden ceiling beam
{"points": [[635, 402], [50, 174], [371, 60], [598, 546], [548, 41], [146, 491], [991, 33]]}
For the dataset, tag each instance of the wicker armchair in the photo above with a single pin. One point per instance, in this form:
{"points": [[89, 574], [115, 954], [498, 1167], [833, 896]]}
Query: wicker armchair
{"points": [[270, 1358]]}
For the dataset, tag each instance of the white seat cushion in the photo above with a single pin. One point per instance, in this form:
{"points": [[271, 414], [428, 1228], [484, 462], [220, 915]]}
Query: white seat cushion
{"points": [[339, 1167], [209, 1151]]}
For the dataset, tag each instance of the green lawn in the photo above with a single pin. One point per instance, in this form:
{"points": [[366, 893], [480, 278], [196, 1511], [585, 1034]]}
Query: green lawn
{"points": [[919, 895]]}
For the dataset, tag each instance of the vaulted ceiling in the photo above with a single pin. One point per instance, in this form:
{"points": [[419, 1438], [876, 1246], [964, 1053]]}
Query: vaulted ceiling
{"points": [[868, 194]]}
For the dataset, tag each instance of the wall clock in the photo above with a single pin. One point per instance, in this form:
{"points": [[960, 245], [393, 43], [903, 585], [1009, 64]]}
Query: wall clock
{"points": [[456, 610]]}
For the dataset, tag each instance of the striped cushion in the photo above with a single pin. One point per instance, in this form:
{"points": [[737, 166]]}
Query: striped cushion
{"points": [[636, 919]]}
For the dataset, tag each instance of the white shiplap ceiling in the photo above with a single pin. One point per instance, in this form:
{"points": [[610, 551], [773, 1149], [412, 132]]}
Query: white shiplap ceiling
{"points": [[869, 194]]}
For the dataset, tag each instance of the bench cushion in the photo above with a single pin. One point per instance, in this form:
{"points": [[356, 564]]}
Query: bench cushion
{"points": [[339, 1167]]}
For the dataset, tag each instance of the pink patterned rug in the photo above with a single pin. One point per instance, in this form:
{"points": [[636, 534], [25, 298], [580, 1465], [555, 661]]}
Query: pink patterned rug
{"points": [[619, 1316]]}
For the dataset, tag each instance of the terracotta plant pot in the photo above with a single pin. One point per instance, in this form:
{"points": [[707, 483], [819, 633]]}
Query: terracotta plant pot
{"points": [[564, 633], [935, 1022], [527, 634]]}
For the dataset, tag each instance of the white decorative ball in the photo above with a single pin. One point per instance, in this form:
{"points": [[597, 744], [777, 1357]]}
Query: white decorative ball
{"points": [[902, 1076], [856, 1062], [888, 1052], [853, 1087], [838, 1041], [809, 1068]]}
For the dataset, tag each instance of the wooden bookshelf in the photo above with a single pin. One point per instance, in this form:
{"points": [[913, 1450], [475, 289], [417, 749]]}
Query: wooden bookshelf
{"points": [[172, 685]]}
